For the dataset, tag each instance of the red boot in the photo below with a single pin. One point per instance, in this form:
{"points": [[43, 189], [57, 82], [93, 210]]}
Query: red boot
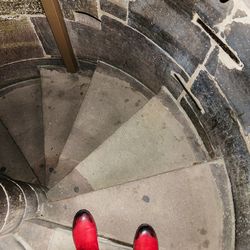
{"points": [[84, 231], [145, 238]]}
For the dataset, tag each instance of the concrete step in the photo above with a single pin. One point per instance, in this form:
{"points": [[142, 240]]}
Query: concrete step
{"points": [[36, 236], [113, 97], [46, 238], [21, 113], [157, 139], [62, 239], [62, 94], [189, 208], [11, 243], [12, 161]]}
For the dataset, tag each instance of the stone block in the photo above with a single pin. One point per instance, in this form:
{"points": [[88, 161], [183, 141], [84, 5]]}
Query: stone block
{"points": [[18, 41]]}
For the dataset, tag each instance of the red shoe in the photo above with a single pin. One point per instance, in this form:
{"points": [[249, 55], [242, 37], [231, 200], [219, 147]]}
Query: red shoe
{"points": [[84, 231], [145, 238]]}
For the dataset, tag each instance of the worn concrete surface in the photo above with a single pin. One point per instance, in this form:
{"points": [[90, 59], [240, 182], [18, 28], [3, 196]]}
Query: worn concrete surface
{"points": [[62, 239], [155, 140], [12, 160], [62, 96], [55, 238], [112, 99], [9, 242], [152, 68], [21, 113], [38, 232], [189, 208], [24, 70], [141, 58]]}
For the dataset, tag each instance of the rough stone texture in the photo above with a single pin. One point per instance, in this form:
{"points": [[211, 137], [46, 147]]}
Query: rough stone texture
{"points": [[187, 202], [171, 30], [88, 20], [113, 97], [86, 6], [18, 41], [45, 35], [18, 7], [79, 34], [199, 127], [140, 148], [213, 11], [174, 87], [33, 7], [26, 70], [23, 71], [221, 124], [87, 41], [12, 161], [212, 62], [236, 84], [114, 8], [62, 95], [228, 238], [21, 112], [141, 59]]}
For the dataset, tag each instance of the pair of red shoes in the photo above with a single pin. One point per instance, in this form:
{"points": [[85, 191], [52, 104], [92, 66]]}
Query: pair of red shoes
{"points": [[85, 234]]}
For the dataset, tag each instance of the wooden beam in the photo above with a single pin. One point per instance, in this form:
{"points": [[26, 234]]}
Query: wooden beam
{"points": [[55, 18]]}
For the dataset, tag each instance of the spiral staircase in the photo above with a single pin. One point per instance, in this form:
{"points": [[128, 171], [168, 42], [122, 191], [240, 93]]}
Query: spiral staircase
{"points": [[152, 128]]}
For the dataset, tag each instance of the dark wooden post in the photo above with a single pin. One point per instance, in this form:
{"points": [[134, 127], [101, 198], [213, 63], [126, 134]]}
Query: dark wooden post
{"points": [[56, 21]]}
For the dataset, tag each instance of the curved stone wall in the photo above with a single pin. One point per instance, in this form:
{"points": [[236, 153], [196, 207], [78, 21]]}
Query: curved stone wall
{"points": [[198, 49]]}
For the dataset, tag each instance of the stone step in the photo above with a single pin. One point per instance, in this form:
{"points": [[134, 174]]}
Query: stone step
{"points": [[62, 239], [189, 208], [36, 236], [62, 95], [113, 97], [56, 238], [11, 243], [12, 161], [157, 139], [21, 113]]}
